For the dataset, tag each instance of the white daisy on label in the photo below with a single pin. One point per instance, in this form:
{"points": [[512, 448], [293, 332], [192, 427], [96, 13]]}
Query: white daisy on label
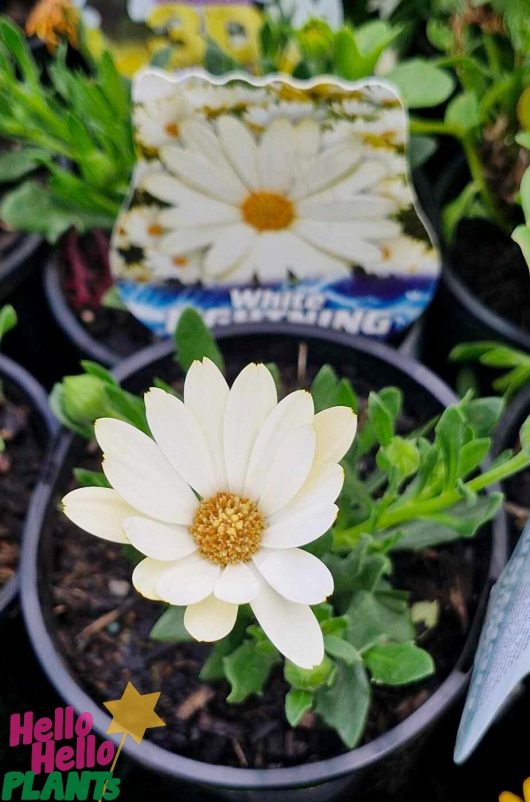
{"points": [[184, 267], [398, 190], [142, 226], [273, 206], [220, 501], [259, 117], [407, 256], [157, 122]]}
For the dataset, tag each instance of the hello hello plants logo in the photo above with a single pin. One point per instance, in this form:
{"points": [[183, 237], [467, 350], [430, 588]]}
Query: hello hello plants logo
{"points": [[66, 760]]}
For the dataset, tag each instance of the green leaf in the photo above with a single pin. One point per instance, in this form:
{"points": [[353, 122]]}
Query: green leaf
{"points": [[450, 433], [426, 613], [341, 649], [170, 626], [421, 148], [381, 418], [400, 455], [467, 204], [324, 388], [8, 319], [472, 454], [421, 83], [15, 164], [87, 478], [521, 236], [18, 48], [373, 617], [309, 679], [194, 340], [461, 520], [213, 668], [297, 703], [35, 209], [398, 663], [345, 705], [483, 414], [524, 436], [463, 112], [248, 668]]}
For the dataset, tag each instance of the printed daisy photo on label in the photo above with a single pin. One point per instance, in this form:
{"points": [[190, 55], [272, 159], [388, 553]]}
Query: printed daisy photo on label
{"points": [[297, 191]]}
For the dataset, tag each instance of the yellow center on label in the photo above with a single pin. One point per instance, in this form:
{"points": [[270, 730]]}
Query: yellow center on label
{"points": [[268, 211], [227, 528], [155, 229], [384, 140], [172, 129]]}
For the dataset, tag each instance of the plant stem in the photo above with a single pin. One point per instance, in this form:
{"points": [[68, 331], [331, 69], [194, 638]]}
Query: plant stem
{"points": [[476, 169], [414, 510]]}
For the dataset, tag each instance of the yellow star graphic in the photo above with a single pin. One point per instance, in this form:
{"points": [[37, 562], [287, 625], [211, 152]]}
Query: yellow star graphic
{"points": [[134, 713], [507, 796]]}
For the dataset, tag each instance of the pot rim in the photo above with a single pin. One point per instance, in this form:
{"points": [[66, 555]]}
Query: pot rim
{"points": [[67, 321], [36, 395], [507, 330], [159, 759]]}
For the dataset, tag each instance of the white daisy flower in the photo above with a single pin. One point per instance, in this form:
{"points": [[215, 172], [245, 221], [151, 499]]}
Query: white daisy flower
{"points": [[406, 256], [397, 189], [142, 226], [271, 207], [222, 499], [163, 266], [157, 122], [259, 117]]}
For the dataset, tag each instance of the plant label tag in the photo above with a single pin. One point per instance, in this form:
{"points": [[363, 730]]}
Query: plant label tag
{"points": [[503, 654], [272, 200]]}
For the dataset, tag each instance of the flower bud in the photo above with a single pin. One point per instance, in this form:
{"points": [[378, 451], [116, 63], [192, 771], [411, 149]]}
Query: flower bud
{"points": [[84, 399], [315, 39], [98, 169]]}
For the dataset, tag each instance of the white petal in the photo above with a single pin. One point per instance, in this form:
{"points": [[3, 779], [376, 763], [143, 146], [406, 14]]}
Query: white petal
{"points": [[300, 527], [199, 213], [98, 510], [210, 619], [292, 628], [190, 239], [188, 581], [199, 137], [160, 541], [321, 488], [237, 584], [341, 240], [181, 440], [329, 167], [335, 428], [357, 208], [276, 156], [164, 187], [296, 409], [289, 469], [295, 574], [274, 254], [206, 393], [137, 469], [202, 175], [229, 247], [307, 141], [240, 149], [146, 575], [250, 400]]}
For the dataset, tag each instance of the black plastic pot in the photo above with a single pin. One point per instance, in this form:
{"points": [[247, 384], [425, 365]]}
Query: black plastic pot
{"points": [[456, 314], [21, 387], [377, 770], [18, 263]]}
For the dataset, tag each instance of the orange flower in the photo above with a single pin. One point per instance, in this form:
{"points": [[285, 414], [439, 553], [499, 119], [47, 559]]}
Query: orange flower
{"points": [[54, 20]]}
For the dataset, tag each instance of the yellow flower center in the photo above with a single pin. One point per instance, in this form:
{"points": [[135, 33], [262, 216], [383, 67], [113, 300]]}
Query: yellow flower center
{"points": [[227, 528], [384, 140], [268, 211], [180, 261], [53, 20], [172, 129], [155, 229]]}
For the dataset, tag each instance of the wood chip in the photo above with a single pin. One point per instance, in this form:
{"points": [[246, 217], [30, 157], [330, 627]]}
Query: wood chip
{"points": [[196, 701]]}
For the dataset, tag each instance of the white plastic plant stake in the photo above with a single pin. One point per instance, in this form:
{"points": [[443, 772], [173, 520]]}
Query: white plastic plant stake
{"points": [[503, 654], [272, 200]]}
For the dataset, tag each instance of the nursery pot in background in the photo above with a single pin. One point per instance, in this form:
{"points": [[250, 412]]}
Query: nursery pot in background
{"points": [[380, 768], [21, 389], [457, 313], [17, 262]]}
